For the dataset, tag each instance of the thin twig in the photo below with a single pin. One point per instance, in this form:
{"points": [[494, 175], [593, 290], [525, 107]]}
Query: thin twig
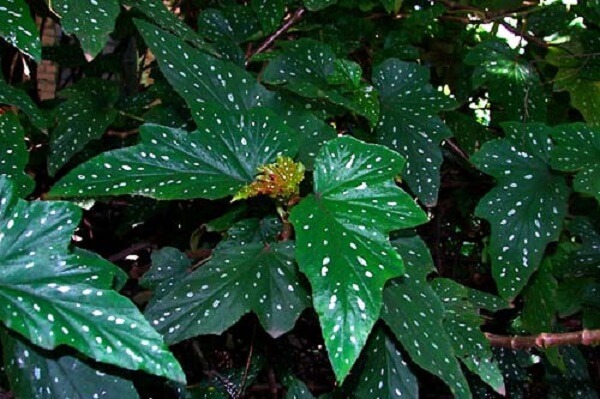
{"points": [[248, 363], [296, 16], [545, 340]]}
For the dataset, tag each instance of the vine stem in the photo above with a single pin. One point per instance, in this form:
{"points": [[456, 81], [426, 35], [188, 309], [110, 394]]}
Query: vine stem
{"points": [[295, 17], [545, 340]]}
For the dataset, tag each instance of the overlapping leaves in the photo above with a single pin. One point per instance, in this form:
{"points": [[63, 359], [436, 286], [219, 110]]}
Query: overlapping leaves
{"points": [[54, 296], [13, 96], [527, 206], [247, 273], [415, 314], [342, 240], [215, 161], [18, 28], [409, 123]]}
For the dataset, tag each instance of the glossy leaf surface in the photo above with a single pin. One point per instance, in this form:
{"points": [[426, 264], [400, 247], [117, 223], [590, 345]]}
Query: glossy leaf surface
{"points": [[343, 249], [245, 274], [213, 162], [14, 154], [410, 125], [18, 28], [527, 206], [12, 96], [54, 296]]}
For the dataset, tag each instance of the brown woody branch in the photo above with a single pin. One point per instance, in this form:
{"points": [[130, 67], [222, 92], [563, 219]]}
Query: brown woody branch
{"points": [[545, 340], [291, 21]]}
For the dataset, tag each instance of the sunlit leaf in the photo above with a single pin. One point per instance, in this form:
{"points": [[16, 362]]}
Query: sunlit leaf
{"points": [[344, 249]]}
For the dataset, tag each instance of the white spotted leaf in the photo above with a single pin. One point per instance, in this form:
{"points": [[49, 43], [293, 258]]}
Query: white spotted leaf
{"points": [[514, 87], [385, 374], [410, 124], [54, 296], [18, 28], [578, 150], [246, 273], [527, 206], [36, 373], [213, 162], [310, 69], [342, 240], [463, 325], [168, 266], [415, 314], [90, 20], [85, 116], [12, 96], [13, 154], [269, 13], [202, 80]]}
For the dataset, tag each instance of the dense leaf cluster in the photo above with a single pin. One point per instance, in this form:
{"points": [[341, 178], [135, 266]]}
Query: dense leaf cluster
{"points": [[391, 188]]}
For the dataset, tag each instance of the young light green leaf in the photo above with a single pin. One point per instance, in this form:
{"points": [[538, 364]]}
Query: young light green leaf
{"points": [[578, 150], [409, 123], [53, 296], [415, 315], [13, 96], [242, 276], [526, 208], [342, 240], [14, 155], [514, 87], [270, 13], [215, 161], [392, 6], [36, 373], [18, 28], [463, 324], [386, 374], [89, 20], [85, 116], [201, 79]]}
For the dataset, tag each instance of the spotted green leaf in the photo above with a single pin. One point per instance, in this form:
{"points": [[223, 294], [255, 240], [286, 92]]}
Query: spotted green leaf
{"points": [[157, 12], [584, 93], [270, 13], [310, 69], [90, 20], [409, 123], [12, 96], [386, 374], [578, 150], [200, 78], [539, 300], [463, 324], [215, 161], [342, 240], [245, 274], [415, 314], [585, 261], [527, 206], [168, 266], [54, 296], [18, 28], [515, 90], [36, 373], [85, 116], [13, 155], [316, 5]]}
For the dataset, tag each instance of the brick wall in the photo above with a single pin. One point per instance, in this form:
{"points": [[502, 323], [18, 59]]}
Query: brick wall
{"points": [[47, 71]]}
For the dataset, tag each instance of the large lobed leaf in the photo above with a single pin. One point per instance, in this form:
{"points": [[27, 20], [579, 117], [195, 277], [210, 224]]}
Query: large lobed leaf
{"points": [[217, 160], [410, 123], [342, 240], [578, 150], [14, 154], [35, 373], [415, 314], [53, 296], [90, 20], [200, 78], [526, 208], [247, 273], [18, 28]]}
